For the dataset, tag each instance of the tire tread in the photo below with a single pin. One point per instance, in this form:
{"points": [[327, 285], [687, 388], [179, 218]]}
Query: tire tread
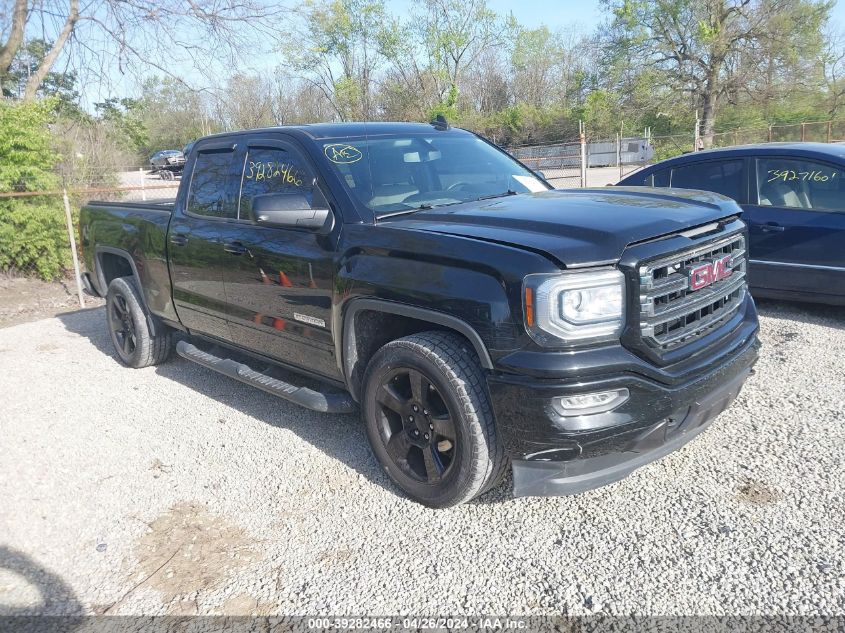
{"points": [[150, 350], [453, 355]]}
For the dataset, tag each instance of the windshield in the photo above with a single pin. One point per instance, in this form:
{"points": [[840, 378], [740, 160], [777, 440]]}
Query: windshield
{"points": [[403, 173]]}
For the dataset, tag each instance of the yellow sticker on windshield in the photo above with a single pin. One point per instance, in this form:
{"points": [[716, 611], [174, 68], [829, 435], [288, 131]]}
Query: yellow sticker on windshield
{"points": [[342, 154]]}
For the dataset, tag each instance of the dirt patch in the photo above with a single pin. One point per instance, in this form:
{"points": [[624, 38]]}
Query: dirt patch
{"points": [[23, 299], [188, 551], [337, 555], [244, 604], [756, 492]]}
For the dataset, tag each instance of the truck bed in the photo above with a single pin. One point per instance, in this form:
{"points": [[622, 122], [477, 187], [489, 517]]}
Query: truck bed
{"points": [[114, 233]]}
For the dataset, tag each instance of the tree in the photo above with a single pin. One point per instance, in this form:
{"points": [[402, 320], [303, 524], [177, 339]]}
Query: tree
{"points": [[706, 47], [136, 35], [123, 117], [538, 60], [410, 88], [173, 114], [833, 69], [12, 46], [297, 101], [457, 33], [245, 103], [338, 51], [14, 39], [61, 86]]}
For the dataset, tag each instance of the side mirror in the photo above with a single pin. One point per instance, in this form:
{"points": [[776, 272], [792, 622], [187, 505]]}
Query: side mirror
{"points": [[540, 175], [291, 210]]}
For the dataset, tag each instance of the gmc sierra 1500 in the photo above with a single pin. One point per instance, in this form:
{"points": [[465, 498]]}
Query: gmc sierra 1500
{"points": [[478, 318]]}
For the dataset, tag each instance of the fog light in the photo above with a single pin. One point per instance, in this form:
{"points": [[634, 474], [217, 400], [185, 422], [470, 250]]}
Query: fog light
{"points": [[589, 403]]}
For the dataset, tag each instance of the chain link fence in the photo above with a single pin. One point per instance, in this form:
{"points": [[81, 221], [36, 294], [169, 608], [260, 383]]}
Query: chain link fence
{"points": [[560, 163], [608, 160]]}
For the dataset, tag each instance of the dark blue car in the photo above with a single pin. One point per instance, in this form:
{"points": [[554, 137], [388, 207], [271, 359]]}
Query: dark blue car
{"points": [[793, 200]]}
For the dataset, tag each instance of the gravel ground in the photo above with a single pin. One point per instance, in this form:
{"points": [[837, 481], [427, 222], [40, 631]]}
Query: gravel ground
{"points": [[174, 490]]}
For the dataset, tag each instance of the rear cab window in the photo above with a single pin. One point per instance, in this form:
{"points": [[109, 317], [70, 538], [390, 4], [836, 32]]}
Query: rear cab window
{"points": [[210, 191]]}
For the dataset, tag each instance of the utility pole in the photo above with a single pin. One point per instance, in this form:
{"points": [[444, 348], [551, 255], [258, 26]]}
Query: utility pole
{"points": [[619, 149], [696, 139], [583, 139], [73, 252]]}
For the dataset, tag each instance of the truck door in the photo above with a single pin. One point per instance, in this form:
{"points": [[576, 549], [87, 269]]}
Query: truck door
{"points": [[797, 226], [279, 281], [195, 249]]}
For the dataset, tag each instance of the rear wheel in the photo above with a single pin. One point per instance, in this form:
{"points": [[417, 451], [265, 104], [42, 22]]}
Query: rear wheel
{"points": [[429, 419], [129, 328]]}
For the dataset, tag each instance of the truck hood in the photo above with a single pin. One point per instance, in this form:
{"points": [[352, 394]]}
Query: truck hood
{"points": [[576, 227]]}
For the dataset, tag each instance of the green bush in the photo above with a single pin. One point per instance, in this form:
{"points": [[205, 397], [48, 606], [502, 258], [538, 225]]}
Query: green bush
{"points": [[33, 237]]}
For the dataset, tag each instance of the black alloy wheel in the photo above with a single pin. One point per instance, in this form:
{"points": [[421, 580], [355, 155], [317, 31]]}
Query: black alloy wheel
{"points": [[122, 326], [428, 417], [139, 338], [416, 425]]}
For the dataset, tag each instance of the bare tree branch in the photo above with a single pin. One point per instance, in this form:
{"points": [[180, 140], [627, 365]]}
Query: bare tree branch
{"points": [[13, 43], [46, 65]]}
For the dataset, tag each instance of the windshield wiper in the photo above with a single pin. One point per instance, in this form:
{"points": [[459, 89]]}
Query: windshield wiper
{"points": [[425, 206], [509, 192], [393, 214]]}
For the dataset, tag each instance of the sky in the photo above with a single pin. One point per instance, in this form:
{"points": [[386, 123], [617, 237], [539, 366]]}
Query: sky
{"points": [[580, 16], [568, 13], [552, 13]]}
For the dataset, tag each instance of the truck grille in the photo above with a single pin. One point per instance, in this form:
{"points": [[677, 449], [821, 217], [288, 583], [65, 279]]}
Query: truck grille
{"points": [[671, 312]]}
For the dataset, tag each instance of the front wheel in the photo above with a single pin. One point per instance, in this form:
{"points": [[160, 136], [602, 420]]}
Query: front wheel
{"points": [[135, 344], [429, 420]]}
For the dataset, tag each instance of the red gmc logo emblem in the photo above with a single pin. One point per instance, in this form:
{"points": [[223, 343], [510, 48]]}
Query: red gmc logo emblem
{"points": [[709, 273]]}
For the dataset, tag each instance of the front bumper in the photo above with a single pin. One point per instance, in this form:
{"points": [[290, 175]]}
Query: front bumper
{"points": [[549, 478], [554, 455]]}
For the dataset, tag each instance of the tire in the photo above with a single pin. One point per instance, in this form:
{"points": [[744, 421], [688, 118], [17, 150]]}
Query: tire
{"points": [[126, 317], [429, 421]]}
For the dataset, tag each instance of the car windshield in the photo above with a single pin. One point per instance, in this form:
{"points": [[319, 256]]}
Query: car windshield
{"points": [[403, 173]]}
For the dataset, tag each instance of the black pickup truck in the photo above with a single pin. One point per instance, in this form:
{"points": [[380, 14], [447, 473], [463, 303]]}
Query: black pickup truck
{"points": [[479, 319]]}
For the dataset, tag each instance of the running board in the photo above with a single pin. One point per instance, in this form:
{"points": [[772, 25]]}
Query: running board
{"points": [[308, 398]]}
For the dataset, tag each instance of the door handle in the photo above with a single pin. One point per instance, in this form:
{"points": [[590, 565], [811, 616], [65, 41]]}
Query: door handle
{"points": [[178, 239], [235, 248], [771, 227]]}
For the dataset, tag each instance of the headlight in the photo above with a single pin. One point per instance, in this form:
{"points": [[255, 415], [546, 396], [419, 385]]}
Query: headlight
{"points": [[574, 307]]}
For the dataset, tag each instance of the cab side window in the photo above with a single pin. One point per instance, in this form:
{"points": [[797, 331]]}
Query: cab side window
{"points": [[799, 184], [277, 171], [726, 177], [211, 176]]}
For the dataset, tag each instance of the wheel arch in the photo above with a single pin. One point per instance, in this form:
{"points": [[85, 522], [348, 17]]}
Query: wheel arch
{"points": [[370, 323], [115, 262], [112, 263]]}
